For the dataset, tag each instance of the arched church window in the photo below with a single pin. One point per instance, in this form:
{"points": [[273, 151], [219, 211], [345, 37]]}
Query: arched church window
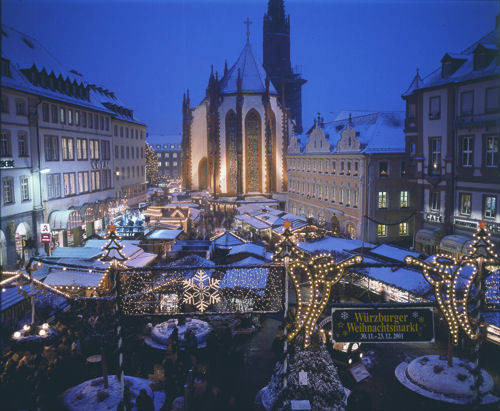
{"points": [[253, 151], [231, 152]]}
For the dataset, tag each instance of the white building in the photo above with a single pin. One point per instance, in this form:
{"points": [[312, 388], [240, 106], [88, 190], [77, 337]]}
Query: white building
{"points": [[56, 146]]}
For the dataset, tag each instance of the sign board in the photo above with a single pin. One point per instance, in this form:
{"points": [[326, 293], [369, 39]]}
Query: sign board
{"points": [[45, 228], [303, 380], [410, 324], [45, 238], [359, 372]]}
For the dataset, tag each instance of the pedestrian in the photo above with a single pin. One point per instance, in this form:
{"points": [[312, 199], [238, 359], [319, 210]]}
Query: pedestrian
{"points": [[144, 402]]}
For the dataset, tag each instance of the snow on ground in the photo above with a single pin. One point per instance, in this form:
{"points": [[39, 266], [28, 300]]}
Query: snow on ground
{"points": [[431, 377], [85, 396]]}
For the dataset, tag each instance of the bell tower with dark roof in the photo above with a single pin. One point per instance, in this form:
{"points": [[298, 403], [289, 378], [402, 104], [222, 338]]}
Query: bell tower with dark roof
{"points": [[276, 54]]}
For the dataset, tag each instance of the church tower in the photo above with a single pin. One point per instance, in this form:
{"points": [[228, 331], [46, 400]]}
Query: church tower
{"points": [[276, 54]]}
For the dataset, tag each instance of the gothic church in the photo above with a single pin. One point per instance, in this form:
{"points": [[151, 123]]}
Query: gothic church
{"points": [[234, 141]]}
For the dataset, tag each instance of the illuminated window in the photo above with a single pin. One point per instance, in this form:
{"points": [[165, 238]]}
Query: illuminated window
{"points": [[382, 199], [435, 155], [25, 188], [383, 169], [381, 230], [465, 203], [467, 157], [434, 200], [490, 206], [491, 151], [403, 229], [403, 199]]}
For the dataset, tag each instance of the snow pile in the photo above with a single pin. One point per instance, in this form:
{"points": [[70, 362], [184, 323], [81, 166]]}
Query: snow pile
{"points": [[91, 394], [432, 377], [323, 390], [161, 332]]}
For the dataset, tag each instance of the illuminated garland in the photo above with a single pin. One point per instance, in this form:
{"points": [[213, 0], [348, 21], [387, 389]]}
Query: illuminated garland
{"points": [[444, 274], [322, 273]]}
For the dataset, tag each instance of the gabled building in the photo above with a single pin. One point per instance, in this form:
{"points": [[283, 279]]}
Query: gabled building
{"points": [[350, 174], [58, 148], [169, 152], [452, 132]]}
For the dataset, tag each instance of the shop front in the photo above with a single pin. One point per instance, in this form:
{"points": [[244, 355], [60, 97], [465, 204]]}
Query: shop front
{"points": [[66, 226], [455, 245], [427, 240]]}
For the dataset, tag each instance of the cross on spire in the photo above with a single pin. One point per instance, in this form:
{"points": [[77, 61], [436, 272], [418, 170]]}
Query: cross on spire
{"points": [[247, 22]]}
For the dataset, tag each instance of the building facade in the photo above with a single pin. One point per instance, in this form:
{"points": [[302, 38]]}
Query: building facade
{"points": [[350, 168], [169, 153], [234, 141], [56, 150], [452, 132]]}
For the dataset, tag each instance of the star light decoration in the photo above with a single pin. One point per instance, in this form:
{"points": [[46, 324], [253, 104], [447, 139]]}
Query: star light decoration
{"points": [[321, 272], [446, 273], [201, 290]]}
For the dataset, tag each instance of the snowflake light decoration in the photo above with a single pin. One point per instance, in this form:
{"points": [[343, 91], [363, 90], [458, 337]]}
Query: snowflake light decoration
{"points": [[201, 291], [344, 315]]}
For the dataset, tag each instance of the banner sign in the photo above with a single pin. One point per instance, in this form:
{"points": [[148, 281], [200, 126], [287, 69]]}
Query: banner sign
{"points": [[409, 324]]}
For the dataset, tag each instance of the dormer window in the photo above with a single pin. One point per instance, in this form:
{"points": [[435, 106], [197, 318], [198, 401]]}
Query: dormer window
{"points": [[483, 56], [5, 67], [450, 64]]}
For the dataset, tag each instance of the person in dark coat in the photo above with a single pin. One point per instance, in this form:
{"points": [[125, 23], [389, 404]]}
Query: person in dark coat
{"points": [[144, 402]]}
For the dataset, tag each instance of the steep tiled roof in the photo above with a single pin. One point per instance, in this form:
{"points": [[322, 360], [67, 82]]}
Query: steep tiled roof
{"points": [[252, 74]]}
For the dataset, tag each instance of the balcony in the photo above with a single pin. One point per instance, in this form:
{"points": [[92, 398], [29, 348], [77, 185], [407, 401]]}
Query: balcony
{"points": [[477, 121], [410, 124]]}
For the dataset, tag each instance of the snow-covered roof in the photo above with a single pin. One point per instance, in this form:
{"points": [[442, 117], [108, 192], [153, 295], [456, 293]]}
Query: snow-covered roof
{"points": [[377, 132], [165, 141], [12, 295], [250, 248], [251, 260], [252, 74], [84, 253], [74, 278], [164, 235], [228, 239], [465, 70], [24, 52], [252, 221], [333, 244], [405, 278], [394, 253]]}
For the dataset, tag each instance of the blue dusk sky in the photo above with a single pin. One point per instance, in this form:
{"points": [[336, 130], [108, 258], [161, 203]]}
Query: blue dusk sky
{"points": [[355, 55]]}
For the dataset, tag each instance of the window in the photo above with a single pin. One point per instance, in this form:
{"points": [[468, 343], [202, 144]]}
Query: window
{"points": [[96, 121], [159, 163], [68, 148], [106, 150], [94, 149], [434, 200], [123, 151], [83, 181], [167, 155], [8, 190], [355, 198], [175, 155], [117, 151], [101, 122], [84, 119], [77, 118], [382, 199], [356, 168], [403, 199], [81, 149], [467, 157], [142, 152], [5, 104], [381, 230], [128, 152], [491, 99], [55, 117], [69, 184], [341, 193], [95, 180], [490, 206], [412, 111], [117, 173], [465, 203], [403, 168], [105, 179], [53, 186], [107, 123], [91, 122], [20, 107], [435, 152], [348, 168], [45, 112], [132, 152], [348, 197], [25, 188], [115, 130], [341, 167], [137, 152], [5, 146], [70, 117], [383, 169], [121, 131], [491, 151], [51, 148], [62, 115], [466, 103], [22, 144], [403, 229], [435, 108]]}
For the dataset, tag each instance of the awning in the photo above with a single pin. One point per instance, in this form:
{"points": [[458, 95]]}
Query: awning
{"points": [[426, 237], [455, 244], [65, 219]]}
